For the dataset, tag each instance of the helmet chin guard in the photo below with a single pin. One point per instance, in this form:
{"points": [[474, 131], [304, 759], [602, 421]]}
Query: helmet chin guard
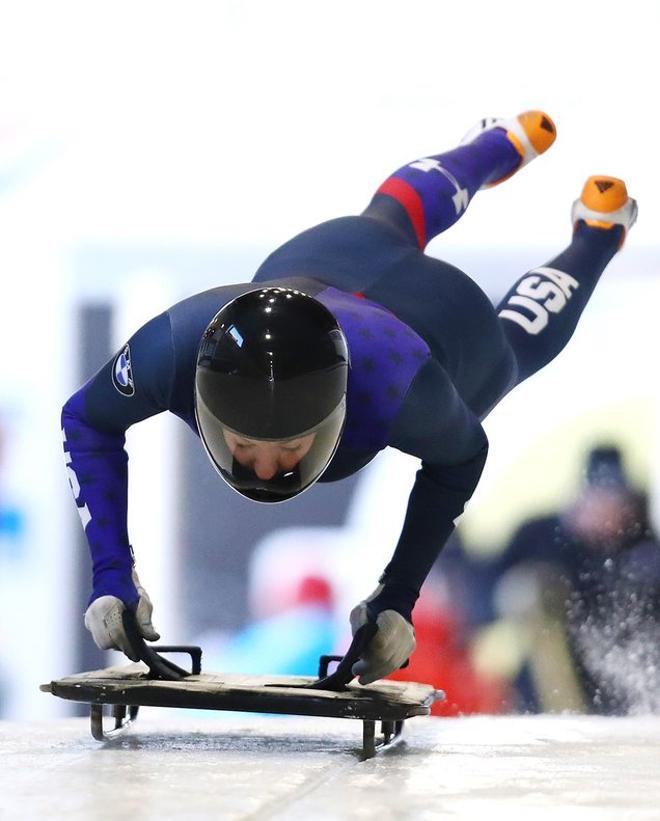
{"points": [[272, 366]]}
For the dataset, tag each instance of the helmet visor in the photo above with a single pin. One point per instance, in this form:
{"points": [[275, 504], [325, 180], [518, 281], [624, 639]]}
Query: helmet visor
{"points": [[237, 457]]}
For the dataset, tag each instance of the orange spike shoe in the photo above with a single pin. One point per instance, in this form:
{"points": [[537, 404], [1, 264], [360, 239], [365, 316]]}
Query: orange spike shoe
{"points": [[604, 203], [531, 134]]}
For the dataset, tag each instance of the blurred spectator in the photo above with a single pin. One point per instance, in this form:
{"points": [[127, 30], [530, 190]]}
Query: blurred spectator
{"points": [[290, 639], [586, 582]]}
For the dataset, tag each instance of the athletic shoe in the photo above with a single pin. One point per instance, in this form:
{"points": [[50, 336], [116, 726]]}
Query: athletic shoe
{"points": [[604, 203], [531, 134]]}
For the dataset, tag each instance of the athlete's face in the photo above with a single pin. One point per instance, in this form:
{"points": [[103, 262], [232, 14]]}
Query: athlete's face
{"points": [[267, 459]]}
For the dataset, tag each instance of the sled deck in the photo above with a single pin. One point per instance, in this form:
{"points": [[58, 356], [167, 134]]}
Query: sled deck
{"points": [[156, 682]]}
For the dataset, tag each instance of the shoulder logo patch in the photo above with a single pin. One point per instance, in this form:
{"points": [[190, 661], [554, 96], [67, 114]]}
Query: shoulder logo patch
{"points": [[122, 373]]}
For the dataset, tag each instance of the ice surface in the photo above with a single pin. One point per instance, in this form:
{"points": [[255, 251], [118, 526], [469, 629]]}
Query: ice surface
{"points": [[173, 766]]}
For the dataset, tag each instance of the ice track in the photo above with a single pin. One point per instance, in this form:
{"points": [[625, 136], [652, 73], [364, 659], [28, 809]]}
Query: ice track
{"points": [[177, 767]]}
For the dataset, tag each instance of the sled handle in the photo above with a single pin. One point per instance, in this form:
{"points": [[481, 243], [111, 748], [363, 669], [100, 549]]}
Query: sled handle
{"points": [[159, 667], [343, 675]]}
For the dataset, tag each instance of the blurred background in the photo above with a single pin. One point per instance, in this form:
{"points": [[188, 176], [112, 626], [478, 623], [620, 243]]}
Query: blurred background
{"points": [[152, 150]]}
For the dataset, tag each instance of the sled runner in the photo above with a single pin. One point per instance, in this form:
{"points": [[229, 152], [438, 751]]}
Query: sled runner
{"points": [[155, 681]]}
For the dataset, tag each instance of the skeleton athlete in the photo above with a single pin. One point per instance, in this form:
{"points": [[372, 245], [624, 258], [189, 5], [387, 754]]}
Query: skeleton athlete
{"points": [[348, 340]]}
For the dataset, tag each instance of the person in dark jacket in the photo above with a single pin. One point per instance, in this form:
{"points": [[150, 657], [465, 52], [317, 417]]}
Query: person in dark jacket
{"points": [[598, 562]]}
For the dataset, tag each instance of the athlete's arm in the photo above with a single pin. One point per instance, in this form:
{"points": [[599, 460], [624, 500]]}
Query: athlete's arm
{"points": [[435, 425], [134, 385]]}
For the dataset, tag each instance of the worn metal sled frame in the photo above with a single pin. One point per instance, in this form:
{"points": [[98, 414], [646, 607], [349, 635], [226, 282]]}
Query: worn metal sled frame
{"points": [[158, 682], [122, 721], [391, 731], [128, 688]]}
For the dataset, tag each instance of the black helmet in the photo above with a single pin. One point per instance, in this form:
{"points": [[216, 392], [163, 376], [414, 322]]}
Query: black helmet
{"points": [[272, 366]]}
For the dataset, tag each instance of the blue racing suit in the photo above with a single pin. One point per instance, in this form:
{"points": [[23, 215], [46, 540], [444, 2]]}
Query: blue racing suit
{"points": [[430, 357]]}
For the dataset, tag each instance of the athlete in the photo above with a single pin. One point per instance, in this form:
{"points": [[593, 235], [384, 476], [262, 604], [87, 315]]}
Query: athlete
{"points": [[348, 340]]}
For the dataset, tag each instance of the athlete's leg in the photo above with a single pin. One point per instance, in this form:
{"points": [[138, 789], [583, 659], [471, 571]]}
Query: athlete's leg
{"points": [[412, 206], [541, 311], [427, 196]]}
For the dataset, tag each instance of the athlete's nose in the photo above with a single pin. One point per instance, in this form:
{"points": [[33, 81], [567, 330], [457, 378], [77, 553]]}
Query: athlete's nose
{"points": [[266, 467]]}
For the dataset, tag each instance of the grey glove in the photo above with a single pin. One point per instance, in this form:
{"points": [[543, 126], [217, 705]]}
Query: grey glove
{"points": [[103, 618], [390, 647]]}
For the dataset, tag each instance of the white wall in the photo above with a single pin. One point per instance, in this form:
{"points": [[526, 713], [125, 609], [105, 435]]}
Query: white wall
{"points": [[228, 120]]}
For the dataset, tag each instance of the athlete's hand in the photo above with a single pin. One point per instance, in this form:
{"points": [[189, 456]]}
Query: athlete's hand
{"points": [[392, 645], [103, 618]]}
